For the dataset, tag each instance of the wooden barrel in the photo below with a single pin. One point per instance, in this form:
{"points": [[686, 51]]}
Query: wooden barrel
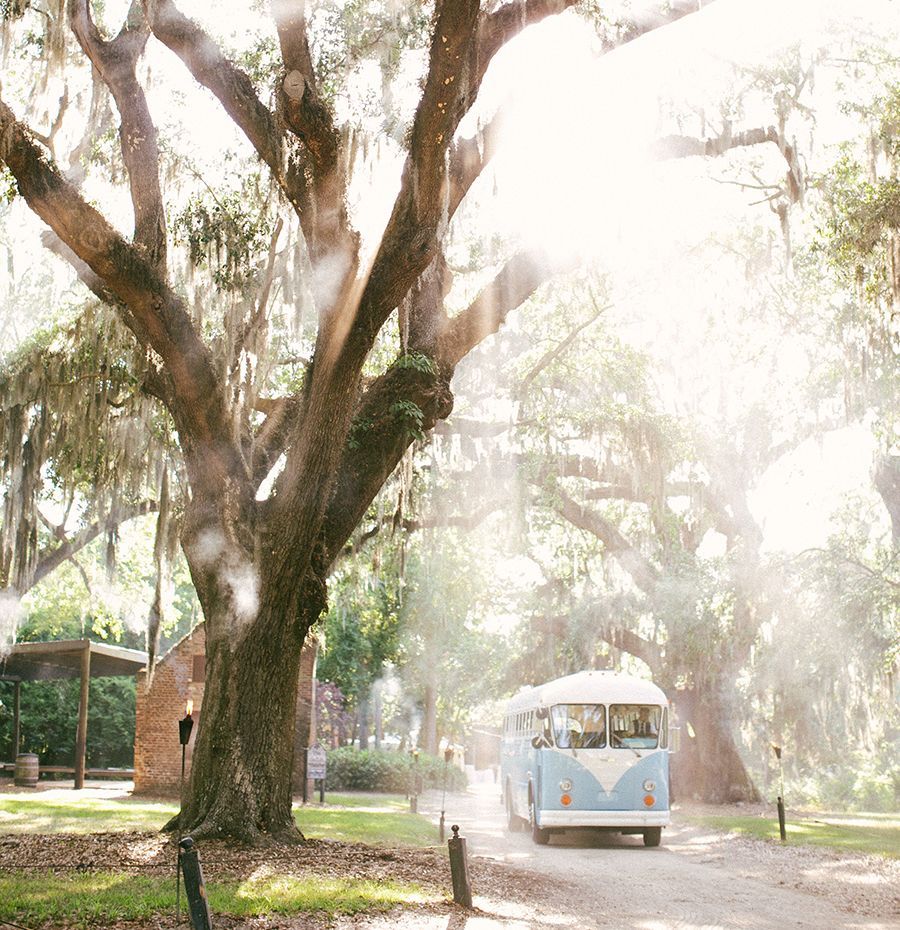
{"points": [[25, 774]]}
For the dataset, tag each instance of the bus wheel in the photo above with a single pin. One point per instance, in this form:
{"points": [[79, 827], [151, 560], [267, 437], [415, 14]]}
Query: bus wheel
{"points": [[652, 836], [514, 823], [541, 837]]}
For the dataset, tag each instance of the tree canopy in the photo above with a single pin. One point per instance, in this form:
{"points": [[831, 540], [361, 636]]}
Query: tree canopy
{"points": [[280, 291]]}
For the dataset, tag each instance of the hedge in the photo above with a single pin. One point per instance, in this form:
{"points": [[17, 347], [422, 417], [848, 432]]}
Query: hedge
{"points": [[351, 769]]}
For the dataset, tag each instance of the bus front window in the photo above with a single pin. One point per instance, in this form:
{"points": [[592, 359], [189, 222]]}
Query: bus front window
{"points": [[636, 726], [579, 726]]}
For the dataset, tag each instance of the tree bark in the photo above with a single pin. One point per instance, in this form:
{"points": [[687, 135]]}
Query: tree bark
{"points": [[243, 758], [428, 738], [363, 715], [887, 483], [707, 765]]}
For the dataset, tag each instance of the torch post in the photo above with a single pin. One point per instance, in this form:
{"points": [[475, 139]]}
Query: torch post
{"points": [[448, 755], [185, 725]]}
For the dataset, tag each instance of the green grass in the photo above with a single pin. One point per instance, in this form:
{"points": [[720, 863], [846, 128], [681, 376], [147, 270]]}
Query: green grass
{"points": [[86, 898], [21, 814], [377, 828], [379, 820], [872, 834], [366, 799]]}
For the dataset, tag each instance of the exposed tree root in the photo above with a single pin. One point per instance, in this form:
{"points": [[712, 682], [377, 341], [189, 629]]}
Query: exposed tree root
{"points": [[209, 828]]}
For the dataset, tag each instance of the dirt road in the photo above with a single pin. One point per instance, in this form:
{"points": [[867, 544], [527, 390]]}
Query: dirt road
{"points": [[697, 880]]}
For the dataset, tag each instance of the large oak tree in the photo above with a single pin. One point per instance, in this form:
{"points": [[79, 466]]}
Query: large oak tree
{"points": [[260, 565]]}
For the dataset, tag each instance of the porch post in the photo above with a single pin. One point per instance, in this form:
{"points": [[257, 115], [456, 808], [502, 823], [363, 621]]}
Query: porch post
{"points": [[81, 735], [17, 725]]}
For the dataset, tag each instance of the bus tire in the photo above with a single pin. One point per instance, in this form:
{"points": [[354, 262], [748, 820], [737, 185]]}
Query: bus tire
{"points": [[540, 836], [652, 836], [514, 823]]}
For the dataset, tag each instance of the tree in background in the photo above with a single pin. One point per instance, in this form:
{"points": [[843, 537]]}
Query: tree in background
{"points": [[361, 640], [334, 725], [643, 484]]}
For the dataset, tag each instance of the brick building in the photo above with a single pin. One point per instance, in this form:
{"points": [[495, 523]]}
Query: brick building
{"points": [[180, 676]]}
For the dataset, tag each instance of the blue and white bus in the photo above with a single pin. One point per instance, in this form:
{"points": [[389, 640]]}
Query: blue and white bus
{"points": [[587, 750]]}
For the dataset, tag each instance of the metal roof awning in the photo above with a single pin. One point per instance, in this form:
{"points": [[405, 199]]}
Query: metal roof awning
{"points": [[64, 658], [71, 658]]}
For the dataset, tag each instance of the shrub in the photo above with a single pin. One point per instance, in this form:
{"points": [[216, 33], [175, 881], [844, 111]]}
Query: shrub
{"points": [[351, 769]]}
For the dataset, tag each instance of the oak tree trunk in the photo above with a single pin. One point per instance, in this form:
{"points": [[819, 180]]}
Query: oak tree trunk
{"points": [[256, 624], [429, 721], [363, 715], [707, 765]]}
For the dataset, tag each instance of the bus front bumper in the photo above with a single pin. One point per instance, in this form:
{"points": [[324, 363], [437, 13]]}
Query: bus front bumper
{"points": [[603, 819]]}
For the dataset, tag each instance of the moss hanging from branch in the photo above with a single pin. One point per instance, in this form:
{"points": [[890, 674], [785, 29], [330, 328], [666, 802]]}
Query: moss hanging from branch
{"points": [[74, 419]]}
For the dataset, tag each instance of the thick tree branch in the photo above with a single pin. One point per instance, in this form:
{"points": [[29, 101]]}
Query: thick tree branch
{"points": [[633, 644], [463, 45], [688, 147], [50, 559], [469, 157], [505, 23], [644, 21], [115, 61], [269, 441], [380, 435], [94, 283], [514, 283], [236, 93], [306, 115], [644, 573], [155, 314]]}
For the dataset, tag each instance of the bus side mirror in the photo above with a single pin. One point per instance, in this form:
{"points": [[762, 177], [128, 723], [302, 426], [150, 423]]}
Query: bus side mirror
{"points": [[540, 741], [541, 713]]}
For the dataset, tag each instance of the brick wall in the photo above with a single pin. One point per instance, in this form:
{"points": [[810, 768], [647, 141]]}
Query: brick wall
{"points": [[179, 676], [305, 728]]}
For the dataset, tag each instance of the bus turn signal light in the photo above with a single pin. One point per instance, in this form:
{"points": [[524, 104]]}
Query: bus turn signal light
{"points": [[566, 800], [648, 800]]}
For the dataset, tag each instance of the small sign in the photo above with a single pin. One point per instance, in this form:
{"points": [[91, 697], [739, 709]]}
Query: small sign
{"points": [[315, 762]]}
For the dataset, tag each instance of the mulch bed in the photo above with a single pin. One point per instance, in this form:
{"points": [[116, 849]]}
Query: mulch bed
{"points": [[153, 853]]}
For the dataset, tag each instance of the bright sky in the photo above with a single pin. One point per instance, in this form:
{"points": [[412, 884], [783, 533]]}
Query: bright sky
{"points": [[602, 113], [596, 117]]}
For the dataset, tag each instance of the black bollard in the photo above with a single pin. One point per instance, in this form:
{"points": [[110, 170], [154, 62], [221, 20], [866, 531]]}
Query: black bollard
{"points": [[459, 869], [781, 826], [194, 887]]}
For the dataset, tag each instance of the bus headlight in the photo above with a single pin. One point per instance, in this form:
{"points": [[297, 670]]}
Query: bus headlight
{"points": [[649, 785], [565, 785]]}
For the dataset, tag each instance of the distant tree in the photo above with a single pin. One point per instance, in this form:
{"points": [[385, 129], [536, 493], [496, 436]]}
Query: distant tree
{"points": [[334, 726], [860, 238], [361, 639]]}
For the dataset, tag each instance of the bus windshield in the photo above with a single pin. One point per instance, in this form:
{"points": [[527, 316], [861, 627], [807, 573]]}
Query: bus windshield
{"points": [[579, 726], [635, 725]]}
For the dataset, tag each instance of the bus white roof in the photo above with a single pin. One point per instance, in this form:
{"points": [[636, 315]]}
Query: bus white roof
{"points": [[590, 687]]}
